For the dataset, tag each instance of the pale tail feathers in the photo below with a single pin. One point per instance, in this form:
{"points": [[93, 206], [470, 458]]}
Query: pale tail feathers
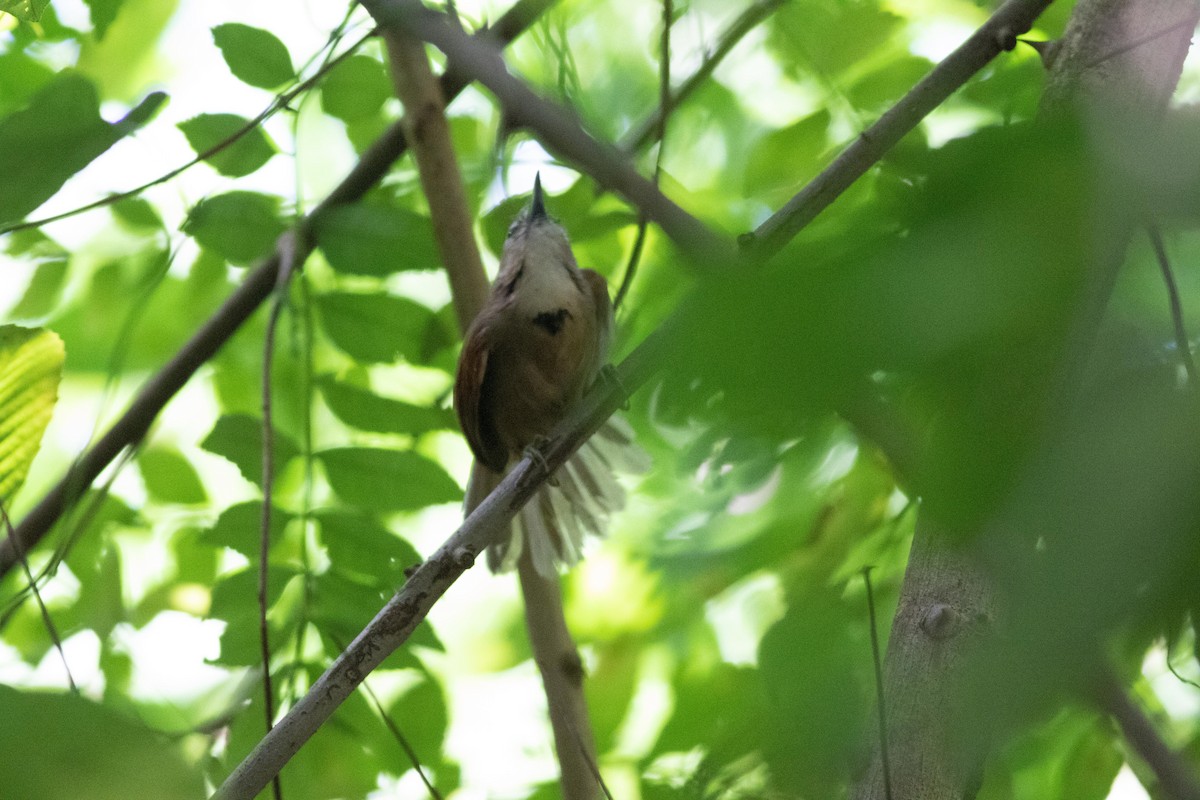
{"points": [[556, 519]]}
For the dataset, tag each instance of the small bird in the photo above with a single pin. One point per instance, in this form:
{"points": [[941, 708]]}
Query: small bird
{"points": [[537, 345]]}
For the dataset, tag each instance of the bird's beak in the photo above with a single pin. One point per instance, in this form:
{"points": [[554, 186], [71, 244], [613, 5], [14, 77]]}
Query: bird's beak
{"points": [[537, 210]]}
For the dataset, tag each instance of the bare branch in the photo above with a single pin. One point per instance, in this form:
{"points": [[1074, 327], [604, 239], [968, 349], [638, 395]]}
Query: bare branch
{"points": [[1175, 776], [1182, 343]]}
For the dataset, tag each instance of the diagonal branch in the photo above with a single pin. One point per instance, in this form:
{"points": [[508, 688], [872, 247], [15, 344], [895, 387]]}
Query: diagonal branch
{"points": [[157, 392], [399, 617]]}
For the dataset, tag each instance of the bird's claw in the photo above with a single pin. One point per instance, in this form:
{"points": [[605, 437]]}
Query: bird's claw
{"points": [[534, 453]]}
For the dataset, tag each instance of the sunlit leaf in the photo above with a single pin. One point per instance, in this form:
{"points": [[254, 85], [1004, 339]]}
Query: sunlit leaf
{"points": [[240, 528], [103, 12], [243, 156], [360, 544], [59, 133], [365, 410], [240, 226], [374, 328], [25, 9], [238, 437], [387, 480], [355, 89], [31, 363], [255, 56], [170, 477], [364, 239]]}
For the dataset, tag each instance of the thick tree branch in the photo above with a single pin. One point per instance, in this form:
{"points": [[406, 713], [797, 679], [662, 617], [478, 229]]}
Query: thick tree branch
{"points": [[553, 648], [158, 391]]}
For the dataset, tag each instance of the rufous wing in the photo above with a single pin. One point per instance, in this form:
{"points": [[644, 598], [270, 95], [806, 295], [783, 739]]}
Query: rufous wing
{"points": [[470, 400]]}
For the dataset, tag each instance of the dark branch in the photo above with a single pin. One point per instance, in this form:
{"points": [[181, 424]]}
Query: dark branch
{"points": [[1182, 343], [1175, 777]]}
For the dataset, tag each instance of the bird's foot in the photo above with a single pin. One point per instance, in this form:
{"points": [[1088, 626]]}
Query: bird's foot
{"points": [[534, 453]]}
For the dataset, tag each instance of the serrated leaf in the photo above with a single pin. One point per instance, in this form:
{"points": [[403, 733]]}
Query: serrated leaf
{"points": [[355, 89], [363, 239], [31, 363], [238, 226], [27, 10], [365, 410], [238, 438], [169, 476], [254, 56], [387, 480], [69, 746], [374, 328], [241, 157], [240, 528]]}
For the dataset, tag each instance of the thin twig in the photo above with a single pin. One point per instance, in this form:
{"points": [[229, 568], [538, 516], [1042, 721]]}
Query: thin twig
{"points": [[1175, 776], [287, 266], [879, 694], [748, 20], [280, 102], [47, 620], [664, 101], [1141, 40], [1182, 343], [401, 740]]}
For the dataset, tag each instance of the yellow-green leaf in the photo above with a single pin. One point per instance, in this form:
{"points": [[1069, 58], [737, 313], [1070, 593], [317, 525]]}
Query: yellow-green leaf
{"points": [[31, 362]]}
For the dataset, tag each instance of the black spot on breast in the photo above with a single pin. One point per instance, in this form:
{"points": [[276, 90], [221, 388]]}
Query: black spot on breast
{"points": [[552, 321]]}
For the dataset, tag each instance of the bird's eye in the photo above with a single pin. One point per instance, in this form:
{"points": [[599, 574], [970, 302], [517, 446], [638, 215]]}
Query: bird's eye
{"points": [[512, 228]]}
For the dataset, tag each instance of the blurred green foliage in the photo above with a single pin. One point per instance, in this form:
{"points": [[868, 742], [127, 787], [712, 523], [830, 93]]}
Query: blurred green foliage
{"points": [[723, 623]]}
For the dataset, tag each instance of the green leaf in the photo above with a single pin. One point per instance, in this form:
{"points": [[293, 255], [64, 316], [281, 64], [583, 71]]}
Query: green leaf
{"points": [[387, 480], [20, 78], [355, 89], [365, 410], [827, 37], [240, 528], [374, 328], [31, 363], [59, 133], [64, 745], [170, 477], [243, 156], [137, 214], [103, 12], [359, 544], [238, 438], [799, 146], [27, 10], [254, 56], [44, 291], [373, 240], [239, 226]]}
